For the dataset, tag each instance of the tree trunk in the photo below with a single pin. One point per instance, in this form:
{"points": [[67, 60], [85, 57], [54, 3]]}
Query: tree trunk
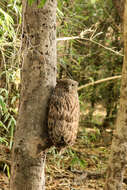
{"points": [[118, 157], [119, 5], [38, 77]]}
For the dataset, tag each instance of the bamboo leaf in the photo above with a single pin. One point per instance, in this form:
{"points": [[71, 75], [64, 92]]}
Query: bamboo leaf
{"points": [[30, 2], [42, 3], [2, 104], [2, 125]]}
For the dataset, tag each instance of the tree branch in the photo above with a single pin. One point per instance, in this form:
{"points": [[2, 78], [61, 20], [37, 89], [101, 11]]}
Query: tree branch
{"points": [[89, 39], [99, 81]]}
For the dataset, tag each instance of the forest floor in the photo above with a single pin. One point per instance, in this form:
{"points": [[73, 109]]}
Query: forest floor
{"points": [[81, 167]]}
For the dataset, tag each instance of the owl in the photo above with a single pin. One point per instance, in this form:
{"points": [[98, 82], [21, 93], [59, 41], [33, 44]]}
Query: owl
{"points": [[63, 115]]}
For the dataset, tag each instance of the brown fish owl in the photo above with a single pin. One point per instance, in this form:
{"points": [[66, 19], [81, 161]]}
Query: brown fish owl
{"points": [[63, 116]]}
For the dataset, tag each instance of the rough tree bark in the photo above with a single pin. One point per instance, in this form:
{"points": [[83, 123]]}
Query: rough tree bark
{"points": [[118, 157], [38, 77]]}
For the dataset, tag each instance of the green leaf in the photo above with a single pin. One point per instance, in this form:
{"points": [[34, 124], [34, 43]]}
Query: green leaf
{"points": [[12, 134], [3, 140], [93, 1], [7, 17], [9, 123], [30, 2], [83, 164], [6, 167], [2, 104], [3, 90], [12, 122], [59, 12], [42, 3], [13, 100], [60, 4], [1, 101], [6, 117], [2, 125]]}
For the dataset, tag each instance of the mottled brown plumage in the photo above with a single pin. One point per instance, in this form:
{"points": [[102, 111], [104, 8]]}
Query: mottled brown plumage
{"points": [[63, 113]]}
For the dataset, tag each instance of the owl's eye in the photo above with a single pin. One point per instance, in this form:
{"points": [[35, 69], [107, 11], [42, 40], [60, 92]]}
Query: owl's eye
{"points": [[72, 84]]}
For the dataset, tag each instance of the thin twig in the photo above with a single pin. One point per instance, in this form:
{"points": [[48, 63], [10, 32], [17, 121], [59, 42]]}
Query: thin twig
{"points": [[105, 47], [99, 81], [68, 38], [91, 40]]}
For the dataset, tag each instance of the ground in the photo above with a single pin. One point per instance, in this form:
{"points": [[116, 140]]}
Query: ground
{"points": [[81, 167]]}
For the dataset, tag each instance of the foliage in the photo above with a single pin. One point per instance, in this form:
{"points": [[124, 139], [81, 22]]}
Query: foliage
{"points": [[86, 59], [42, 3], [10, 20]]}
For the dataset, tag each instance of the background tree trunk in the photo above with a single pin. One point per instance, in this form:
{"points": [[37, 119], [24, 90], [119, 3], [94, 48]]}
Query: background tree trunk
{"points": [[118, 157], [38, 77], [119, 4]]}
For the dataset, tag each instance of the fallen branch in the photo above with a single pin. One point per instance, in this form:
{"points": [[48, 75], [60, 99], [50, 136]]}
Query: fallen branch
{"points": [[90, 174]]}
